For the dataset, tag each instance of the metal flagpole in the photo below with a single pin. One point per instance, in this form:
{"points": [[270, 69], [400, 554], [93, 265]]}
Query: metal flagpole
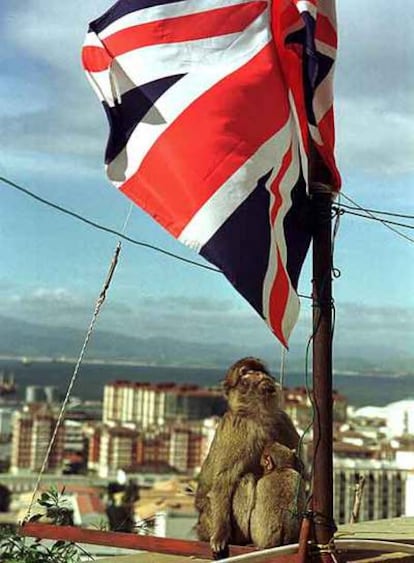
{"points": [[322, 497]]}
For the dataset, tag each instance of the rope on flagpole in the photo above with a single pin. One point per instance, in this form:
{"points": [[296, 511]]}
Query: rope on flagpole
{"points": [[98, 305]]}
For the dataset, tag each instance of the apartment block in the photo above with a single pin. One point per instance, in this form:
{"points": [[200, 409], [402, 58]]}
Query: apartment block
{"points": [[32, 431], [177, 447], [383, 493], [298, 405], [153, 405]]}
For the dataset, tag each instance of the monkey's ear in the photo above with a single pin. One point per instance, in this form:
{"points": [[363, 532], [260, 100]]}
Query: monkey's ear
{"points": [[232, 378], [225, 387]]}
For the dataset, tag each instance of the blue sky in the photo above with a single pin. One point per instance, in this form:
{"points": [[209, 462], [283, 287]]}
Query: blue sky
{"points": [[53, 137]]}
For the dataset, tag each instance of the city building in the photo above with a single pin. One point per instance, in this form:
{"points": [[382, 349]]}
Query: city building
{"points": [[32, 431], [92, 432], [177, 447], [118, 446], [298, 405], [398, 417], [6, 415], [35, 394], [384, 493], [147, 405]]}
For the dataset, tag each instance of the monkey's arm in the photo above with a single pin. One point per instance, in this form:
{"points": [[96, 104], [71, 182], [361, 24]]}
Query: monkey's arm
{"points": [[235, 452], [284, 430]]}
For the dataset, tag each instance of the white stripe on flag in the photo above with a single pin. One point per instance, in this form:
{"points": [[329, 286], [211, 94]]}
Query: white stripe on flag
{"points": [[323, 98], [166, 11], [305, 6], [278, 241], [289, 179], [177, 99], [235, 190]]}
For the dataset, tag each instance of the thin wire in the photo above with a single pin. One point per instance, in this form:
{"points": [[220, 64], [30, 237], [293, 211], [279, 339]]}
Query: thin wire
{"points": [[105, 229], [336, 272], [98, 305], [172, 254], [378, 211], [385, 223], [282, 366], [127, 218], [121, 234]]}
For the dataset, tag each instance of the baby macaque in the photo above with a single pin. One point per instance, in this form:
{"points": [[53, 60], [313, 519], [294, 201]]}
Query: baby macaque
{"points": [[280, 499], [253, 419]]}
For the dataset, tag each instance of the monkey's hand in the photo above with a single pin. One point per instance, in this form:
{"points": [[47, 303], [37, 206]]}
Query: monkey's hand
{"points": [[220, 525], [219, 545]]}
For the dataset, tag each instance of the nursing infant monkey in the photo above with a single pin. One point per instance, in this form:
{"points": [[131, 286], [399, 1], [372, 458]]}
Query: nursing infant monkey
{"points": [[250, 483]]}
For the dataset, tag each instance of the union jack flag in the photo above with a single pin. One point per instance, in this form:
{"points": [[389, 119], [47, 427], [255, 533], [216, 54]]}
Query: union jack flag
{"points": [[211, 106]]}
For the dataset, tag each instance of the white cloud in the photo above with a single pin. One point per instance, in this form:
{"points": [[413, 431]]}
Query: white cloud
{"points": [[66, 24], [375, 84], [59, 112], [372, 140], [375, 88]]}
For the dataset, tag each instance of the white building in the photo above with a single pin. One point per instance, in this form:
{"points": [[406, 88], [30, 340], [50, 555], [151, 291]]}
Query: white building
{"points": [[153, 405], [386, 492], [405, 460], [399, 416], [5, 424], [117, 450]]}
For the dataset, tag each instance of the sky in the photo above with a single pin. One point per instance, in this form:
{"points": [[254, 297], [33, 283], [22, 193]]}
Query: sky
{"points": [[53, 138]]}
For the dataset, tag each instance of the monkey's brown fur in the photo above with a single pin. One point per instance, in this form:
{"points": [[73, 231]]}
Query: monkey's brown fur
{"points": [[254, 419], [279, 500]]}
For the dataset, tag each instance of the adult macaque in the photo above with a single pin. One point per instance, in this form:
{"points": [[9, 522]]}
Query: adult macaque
{"points": [[253, 420]]}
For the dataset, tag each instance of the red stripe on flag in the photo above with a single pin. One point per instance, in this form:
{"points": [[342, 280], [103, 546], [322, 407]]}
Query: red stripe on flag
{"points": [[279, 293], [278, 299], [325, 31], [327, 131], [95, 59], [209, 141], [286, 18], [275, 187], [212, 23]]}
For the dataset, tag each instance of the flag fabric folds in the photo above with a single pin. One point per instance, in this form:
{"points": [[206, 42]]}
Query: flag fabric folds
{"points": [[211, 106]]}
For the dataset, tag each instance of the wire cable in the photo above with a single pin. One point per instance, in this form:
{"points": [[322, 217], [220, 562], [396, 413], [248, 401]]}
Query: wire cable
{"points": [[377, 211], [103, 228], [372, 218], [385, 223]]}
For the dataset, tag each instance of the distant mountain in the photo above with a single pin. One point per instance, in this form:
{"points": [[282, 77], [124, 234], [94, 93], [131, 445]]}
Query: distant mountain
{"points": [[21, 338]]}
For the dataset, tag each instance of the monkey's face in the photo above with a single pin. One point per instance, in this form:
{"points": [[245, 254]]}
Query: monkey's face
{"points": [[249, 386], [242, 368], [278, 456]]}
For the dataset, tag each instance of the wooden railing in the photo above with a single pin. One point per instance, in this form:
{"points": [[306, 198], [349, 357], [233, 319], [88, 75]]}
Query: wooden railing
{"points": [[170, 546]]}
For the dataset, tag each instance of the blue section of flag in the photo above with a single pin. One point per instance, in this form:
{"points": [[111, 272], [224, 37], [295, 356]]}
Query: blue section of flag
{"points": [[122, 8], [240, 248], [133, 107], [298, 230]]}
